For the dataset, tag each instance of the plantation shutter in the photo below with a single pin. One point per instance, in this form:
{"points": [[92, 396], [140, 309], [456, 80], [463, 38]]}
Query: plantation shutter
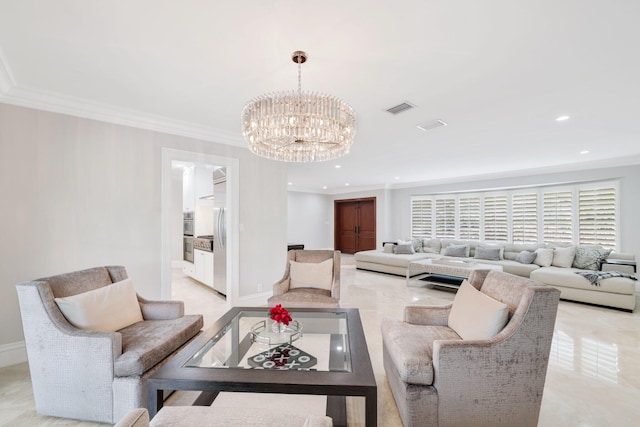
{"points": [[469, 218], [495, 218], [421, 217], [597, 217], [558, 217], [524, 214], [445, 218]]}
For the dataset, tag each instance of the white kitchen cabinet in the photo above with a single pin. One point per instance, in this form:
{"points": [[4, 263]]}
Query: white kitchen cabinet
{"points": [[203, 262], [203, 183], [188, 268]]}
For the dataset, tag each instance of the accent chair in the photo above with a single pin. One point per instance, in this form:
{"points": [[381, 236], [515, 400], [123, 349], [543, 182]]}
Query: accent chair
{"points": [[440, 379]]}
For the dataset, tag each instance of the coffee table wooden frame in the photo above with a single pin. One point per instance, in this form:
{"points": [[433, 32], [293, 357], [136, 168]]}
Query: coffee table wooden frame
{"points": [[335, 385]]}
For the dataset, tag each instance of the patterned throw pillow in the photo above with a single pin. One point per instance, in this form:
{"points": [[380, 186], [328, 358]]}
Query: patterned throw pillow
{"points": [[590, 258]]}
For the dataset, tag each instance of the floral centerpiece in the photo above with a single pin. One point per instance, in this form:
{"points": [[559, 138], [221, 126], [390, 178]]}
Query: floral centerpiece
{"points": [[280, 317]]}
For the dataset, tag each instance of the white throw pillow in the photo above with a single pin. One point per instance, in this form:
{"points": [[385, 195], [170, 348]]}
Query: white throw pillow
{"points": [[388, 248], [476, 316], [311, 275], [544, 257], [105, 309], [563, 257]]}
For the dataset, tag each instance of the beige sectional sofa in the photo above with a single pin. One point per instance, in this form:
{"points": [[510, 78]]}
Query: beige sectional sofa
{"points": [[618, 292]]}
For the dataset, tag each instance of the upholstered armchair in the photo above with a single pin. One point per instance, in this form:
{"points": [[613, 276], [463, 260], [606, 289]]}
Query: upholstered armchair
{"points": [[91, 375], [439, 379], [311, 279]]}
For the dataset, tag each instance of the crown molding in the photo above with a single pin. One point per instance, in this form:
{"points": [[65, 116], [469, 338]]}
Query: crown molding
{"points": [[58, 103]]}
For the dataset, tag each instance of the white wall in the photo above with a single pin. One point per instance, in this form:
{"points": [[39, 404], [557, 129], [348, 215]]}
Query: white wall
{"points": [[629, 177], [79, 193], [309, 219]]}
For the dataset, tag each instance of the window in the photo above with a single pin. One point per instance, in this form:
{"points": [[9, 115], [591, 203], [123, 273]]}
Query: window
{"points": [[469, 218], [421, 217], [445, 218], [558, 217], [585, 214], [524, 217], [495, 219], [597, 212]]}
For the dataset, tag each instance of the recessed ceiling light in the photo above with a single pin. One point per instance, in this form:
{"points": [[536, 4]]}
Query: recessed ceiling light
{"points": [[585, 152], [562, 118], [324, 187], [290, 183], [397, 177], [338, 166], [347, 184]]}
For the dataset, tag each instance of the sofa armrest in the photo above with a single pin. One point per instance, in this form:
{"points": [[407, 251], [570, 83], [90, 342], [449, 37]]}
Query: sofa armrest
{"points": [[427, 315], [135, 418], [281, 286], [161, 310]]}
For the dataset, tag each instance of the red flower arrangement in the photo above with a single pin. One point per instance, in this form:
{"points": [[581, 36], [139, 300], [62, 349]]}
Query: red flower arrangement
{"points": [[280, 314]]}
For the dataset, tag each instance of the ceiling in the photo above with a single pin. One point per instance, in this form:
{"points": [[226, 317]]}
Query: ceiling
{"points": [[498, 72]]}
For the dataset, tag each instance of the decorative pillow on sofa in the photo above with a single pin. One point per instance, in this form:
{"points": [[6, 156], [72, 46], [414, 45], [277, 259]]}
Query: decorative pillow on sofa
{"points": [[311, 274], [526, 257], [106, 309], [544, 257], [404, 249], [457, 251], [491, 246], [590, 257], [563, 257], [476, 316], [492, 254], [388, 248]]}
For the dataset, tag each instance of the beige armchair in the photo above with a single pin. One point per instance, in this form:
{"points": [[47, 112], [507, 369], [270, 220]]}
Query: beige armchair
{"points": [[90, 375], [439, 379], [322, 290]]}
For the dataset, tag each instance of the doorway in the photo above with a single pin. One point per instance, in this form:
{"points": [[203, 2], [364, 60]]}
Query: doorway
{"points": [[355, 224]]}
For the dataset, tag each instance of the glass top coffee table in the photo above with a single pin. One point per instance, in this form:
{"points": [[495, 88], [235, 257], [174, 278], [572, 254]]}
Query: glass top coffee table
{"points": [[323, 352]]}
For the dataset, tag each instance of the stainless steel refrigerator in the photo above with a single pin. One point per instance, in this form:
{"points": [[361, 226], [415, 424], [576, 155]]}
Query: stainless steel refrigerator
{"points": [[220, 230]]}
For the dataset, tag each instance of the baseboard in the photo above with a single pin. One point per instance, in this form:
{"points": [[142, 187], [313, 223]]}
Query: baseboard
{"points": [[256, 300], [13, 353]]}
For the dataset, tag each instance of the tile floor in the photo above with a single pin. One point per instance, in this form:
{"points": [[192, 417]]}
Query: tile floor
{"points": [[593, 377]]}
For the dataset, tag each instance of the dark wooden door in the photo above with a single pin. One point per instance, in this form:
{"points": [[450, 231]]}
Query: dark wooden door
{"points": [[355, 225]]}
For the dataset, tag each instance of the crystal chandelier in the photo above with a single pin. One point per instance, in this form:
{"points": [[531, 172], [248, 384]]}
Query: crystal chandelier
{"points": [[297, 126]]}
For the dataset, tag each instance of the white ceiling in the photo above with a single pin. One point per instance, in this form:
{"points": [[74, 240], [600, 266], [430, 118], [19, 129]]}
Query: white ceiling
{"points": [[498, 72]]}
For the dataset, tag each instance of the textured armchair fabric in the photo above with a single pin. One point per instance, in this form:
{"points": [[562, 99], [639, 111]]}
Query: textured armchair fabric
{"points": [[88, 375], [439, 379], [308, 297]]}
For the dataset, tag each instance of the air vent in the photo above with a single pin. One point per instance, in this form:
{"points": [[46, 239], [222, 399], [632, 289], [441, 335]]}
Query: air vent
{"points": [[432, 124], [400, 108]]}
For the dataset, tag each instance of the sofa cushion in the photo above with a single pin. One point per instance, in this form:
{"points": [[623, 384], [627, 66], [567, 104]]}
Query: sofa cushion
{"points": [[476, 316], [388, 248], [411, 348], [514, 267], [305, 297], [511, 250], [228, 416], [145, 344], [456, 251], [526, 257], [563, 257], [396, 260], [590, 257], [492, 254], [311, 274], [567, 278], [105, 309], [432, 246], [404, 249], [544, 257]]}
